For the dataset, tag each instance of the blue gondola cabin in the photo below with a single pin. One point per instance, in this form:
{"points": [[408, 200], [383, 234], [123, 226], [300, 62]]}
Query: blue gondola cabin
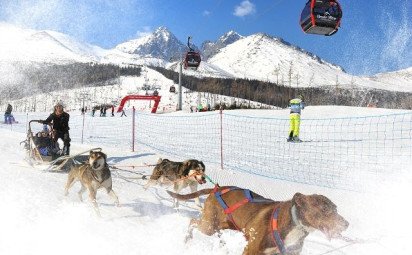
{"points": [[321, 17]]}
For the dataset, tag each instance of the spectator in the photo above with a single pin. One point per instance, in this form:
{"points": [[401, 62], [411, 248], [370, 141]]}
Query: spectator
{"points": [[93, 111], [112, 110], [200, 108], [295, 105], [59, 120], [7, 114], [123, 113]]}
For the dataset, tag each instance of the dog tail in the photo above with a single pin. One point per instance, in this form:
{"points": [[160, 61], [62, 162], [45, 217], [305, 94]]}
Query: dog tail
{"points": [[144, 177], [191, 195]]}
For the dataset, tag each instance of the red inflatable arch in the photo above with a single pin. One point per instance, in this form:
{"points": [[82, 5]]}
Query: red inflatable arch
{"points": [[140, 97]]}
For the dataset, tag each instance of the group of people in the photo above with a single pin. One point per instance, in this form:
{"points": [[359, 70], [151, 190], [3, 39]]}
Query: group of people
{"points": [[103, 111], [59, 120], [327, 8]]}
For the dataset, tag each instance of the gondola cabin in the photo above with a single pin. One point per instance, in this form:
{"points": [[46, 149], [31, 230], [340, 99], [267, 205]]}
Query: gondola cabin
{"points": [[321, 17], [172, 89], [192, 60]]}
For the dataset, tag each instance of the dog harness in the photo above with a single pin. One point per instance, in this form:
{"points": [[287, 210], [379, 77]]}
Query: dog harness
{"points": [[248, 198], [275, 232], [230, 209]]}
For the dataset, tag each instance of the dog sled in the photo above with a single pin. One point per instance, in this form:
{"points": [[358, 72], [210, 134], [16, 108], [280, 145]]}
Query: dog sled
{"points": [[41, 149]]}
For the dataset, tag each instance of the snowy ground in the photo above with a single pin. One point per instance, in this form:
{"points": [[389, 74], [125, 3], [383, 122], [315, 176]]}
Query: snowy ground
{"points": [[37, 219]]}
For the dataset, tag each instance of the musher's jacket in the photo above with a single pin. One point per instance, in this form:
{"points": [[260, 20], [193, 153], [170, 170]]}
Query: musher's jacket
{"points": [[60, 122]]}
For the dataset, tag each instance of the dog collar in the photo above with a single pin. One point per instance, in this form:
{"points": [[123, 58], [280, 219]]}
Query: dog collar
{"points": [[275, 230], [295, 219]]}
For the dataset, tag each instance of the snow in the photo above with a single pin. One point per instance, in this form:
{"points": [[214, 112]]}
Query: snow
{"points": [[258, 56], [37, 219], [267, 58], [17, 44]]}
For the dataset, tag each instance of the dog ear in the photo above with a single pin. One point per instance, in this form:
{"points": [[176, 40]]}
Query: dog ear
{"points": [[299, 199], [203, 165], [105, 156], [185, 167]]}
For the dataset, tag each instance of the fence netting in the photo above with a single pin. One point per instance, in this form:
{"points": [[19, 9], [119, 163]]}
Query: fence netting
{"points": [[342, 153]]}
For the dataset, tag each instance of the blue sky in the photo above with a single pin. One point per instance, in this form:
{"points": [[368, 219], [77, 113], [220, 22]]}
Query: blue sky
{"points": [[375, 36]]}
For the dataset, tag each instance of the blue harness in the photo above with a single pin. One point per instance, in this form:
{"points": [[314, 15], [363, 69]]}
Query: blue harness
{"points": [[248, 198]]}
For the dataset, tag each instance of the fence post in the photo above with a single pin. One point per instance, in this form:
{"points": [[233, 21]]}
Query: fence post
{"points": [[84, 114], [221, 137], [133, 127]]}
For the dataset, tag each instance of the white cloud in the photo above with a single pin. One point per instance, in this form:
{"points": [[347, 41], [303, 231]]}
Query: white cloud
{"points": [[245, 8], [206, 13]]}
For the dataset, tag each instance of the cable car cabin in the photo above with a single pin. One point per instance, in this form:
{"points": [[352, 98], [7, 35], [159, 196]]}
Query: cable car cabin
{"points": [[192, 60], [172, 89], [321, 17]]}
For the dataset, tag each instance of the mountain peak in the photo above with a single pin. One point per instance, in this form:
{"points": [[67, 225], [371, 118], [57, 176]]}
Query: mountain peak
{"points": [[211, 48], [229, 37], [161, 44], [162, 29]]}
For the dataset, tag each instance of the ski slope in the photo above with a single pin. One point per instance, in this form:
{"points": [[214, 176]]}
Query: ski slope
{"points": [[37, 219]]}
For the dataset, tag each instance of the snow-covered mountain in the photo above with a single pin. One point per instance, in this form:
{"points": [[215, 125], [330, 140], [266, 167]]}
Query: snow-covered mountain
{"points": [[263, 57], [210, 48], [258, 56], [27, 45], [403, 76], [160, 44]]}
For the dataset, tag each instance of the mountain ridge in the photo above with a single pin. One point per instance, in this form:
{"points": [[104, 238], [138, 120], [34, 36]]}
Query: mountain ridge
{"points": [[258, 56]]}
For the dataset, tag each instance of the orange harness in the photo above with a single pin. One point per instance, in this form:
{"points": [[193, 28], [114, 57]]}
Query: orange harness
{"points": [[248, 198], [230, 209]]}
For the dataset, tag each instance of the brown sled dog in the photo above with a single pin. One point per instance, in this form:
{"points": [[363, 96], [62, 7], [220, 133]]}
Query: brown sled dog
{"points": [[270, 227], [93, 175], [188, 173]]}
